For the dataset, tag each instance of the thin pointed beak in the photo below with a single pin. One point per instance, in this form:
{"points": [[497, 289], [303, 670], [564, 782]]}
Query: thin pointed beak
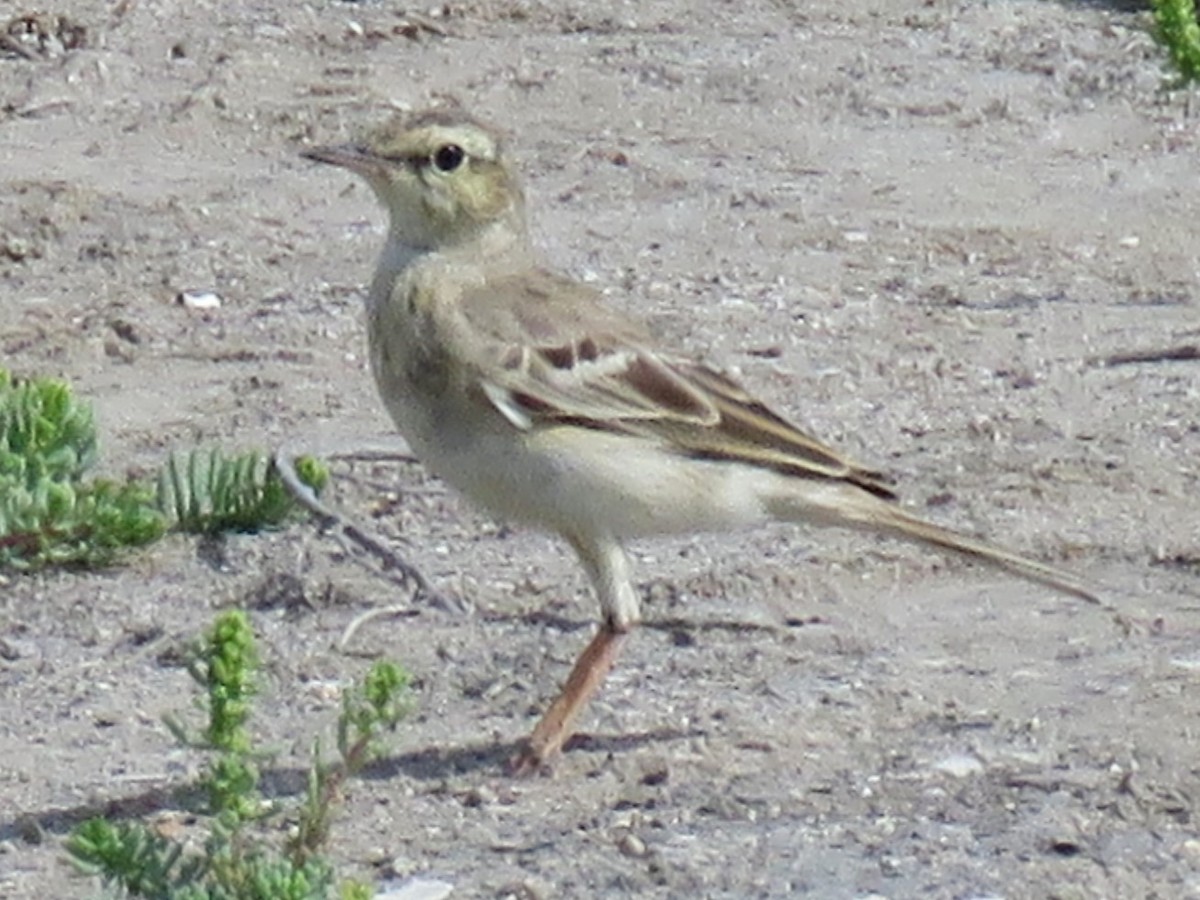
{"points": [[354, 157]]}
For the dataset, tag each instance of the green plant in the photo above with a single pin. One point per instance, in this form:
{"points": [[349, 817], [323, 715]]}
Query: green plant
{"points": [[48, 513], [209, 492], [236, 863], [224, 664], [51, 514], [1176, 27], [378, 705]]}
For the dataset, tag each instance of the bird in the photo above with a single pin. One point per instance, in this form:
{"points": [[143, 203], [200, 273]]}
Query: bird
{"points": [[525, 391]]}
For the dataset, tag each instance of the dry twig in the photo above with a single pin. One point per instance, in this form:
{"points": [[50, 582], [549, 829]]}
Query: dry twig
{"points": [[395, 567]]}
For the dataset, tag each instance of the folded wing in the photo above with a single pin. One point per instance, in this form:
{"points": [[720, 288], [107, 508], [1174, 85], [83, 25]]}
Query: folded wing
{"points": [[556, 358]]}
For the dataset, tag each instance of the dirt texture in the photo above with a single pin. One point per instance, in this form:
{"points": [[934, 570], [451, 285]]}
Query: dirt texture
{"points": [[956, 239]]}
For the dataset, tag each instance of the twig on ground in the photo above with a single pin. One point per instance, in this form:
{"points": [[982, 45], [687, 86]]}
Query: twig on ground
{"points": [[357, 622], [12, 45], [1180, 353], [374, 456], [394, 566]]}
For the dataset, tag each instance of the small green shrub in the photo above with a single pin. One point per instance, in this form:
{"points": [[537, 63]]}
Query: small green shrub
{"points": [[236, 862], [49, 515], [207, 493], [52, 514], [1176, 27]]}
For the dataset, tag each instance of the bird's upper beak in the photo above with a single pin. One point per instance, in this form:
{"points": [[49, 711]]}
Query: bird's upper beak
{"points": [[354, 157]]}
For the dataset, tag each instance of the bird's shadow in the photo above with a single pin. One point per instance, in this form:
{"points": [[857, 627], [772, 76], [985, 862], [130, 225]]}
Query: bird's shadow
{"points": [[429, 764]]}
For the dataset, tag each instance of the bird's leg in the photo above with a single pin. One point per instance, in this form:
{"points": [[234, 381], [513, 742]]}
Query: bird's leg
{"points": [[585, 679], [608, 568]]}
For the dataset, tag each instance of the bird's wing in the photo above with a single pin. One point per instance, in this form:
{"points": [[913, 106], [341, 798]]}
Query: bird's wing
{"points": [[555, 355]]}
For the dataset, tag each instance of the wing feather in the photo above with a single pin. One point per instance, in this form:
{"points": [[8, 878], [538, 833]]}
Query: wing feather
{"points": [[559, 358]]}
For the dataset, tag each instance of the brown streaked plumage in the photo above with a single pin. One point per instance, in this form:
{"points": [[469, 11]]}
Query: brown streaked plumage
{"points": [[537, 401]]}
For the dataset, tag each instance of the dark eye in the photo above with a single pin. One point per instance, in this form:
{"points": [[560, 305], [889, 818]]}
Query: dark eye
{"points": [[448, 157]]}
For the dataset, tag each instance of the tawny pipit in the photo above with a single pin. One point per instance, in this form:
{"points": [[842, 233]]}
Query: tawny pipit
{"points": [[521, 389]]}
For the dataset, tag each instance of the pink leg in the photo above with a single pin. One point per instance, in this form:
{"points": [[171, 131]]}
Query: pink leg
{"points": [[557, 724]]}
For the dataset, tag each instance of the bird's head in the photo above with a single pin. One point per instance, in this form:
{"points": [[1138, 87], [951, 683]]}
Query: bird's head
{"points": [[442, 175]]}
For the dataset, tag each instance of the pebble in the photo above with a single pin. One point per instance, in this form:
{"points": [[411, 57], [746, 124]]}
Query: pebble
{"points": [[1191, 852], [529, 889], [402, 867], [479, 796], [17, 249], [959, 765], [632, 845], [418, 889], [194, 299]]}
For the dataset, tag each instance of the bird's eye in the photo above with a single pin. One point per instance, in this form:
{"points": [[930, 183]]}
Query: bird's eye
{"points": [[448, 157]]}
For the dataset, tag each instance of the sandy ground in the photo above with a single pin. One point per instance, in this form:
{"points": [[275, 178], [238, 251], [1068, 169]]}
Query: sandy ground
{"points": [[931, 232]]}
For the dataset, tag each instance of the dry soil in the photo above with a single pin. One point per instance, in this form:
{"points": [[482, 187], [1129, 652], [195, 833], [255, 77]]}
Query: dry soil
{"points": [[956, 239]]}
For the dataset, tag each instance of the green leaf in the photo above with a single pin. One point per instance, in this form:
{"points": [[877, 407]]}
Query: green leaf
{"points": [[208, 492], [1176, 27]]}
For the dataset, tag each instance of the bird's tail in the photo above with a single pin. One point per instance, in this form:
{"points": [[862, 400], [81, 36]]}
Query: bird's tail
{"points": [[850, 507]]}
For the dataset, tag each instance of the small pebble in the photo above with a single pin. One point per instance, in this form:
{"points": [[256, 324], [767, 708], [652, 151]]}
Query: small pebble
{"points": [[402, 867], [632, 845], [959, 765], [17, 249], [198, 299], [479, 796], [417, 889]]}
